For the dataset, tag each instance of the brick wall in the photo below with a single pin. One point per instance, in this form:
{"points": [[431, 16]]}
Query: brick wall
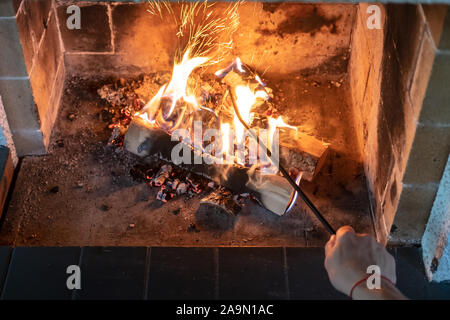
{"points": [[404, 146], [122, 38], [31, 71]]}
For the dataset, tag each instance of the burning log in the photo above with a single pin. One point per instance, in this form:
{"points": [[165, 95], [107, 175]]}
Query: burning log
{"points": [[272, 191], [298, 151]]}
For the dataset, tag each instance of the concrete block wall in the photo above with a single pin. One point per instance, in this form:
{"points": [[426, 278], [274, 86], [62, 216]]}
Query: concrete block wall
{"points": [[404, 149], [31, 71], [430, 99], [6, 135]]}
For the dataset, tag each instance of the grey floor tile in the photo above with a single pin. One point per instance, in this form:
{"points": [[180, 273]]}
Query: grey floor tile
{"points": [[112, 273], [251, 273], [307, 276], [181, 273], [411, 279], [40, 273]]}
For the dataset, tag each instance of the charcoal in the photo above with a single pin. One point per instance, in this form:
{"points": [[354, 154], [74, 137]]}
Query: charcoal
{"points": [[162, 175], [223, 199], [175, 184], [182, 188]]}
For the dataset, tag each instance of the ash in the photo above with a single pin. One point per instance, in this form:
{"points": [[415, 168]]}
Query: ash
{"points": [[88, 191]]}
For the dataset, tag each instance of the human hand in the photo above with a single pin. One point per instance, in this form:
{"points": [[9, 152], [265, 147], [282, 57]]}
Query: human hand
{"points": [[347, 256]]}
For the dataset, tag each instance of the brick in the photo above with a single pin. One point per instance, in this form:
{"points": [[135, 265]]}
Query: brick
{"points": [[44, 73], [385, 155], [435, 108], [391, 197], [359, 67], [131, 24], [105, 64], [428, 155], [393, 91], [374, 37], [414, 208], [54, 103], [406, 43], [11, 57], [94, 34], [36, 13], [402, 143], [422, 73], [435, 17]]}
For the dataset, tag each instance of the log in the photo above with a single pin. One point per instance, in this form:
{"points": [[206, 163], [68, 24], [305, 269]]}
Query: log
{"points": [[272, 191], [298, 150], [302, 152]]}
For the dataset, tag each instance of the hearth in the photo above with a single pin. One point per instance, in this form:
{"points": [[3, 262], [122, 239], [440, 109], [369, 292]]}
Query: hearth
{"points": [[136, 134]]}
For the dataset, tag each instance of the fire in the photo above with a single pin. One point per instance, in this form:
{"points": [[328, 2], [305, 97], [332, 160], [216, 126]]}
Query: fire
{"points": [[176, 103], [177, 87], [273, 125]]}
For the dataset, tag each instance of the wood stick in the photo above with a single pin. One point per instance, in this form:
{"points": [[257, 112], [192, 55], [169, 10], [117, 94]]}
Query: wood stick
{"points": [[302, 152]]}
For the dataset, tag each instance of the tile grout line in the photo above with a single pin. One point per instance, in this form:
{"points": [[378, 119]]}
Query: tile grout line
{"points": [[147, 272], [10, 258], [216, 273], [286, 276], [80, 261]]}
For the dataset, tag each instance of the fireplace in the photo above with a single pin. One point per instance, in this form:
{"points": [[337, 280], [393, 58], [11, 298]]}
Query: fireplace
{"points": [[352, 88]]}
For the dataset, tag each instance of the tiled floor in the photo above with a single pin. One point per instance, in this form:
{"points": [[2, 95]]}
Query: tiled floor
{"points": [[188, 273]]}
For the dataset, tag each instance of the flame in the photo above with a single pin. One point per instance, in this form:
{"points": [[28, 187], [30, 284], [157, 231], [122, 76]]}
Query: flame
{"points": [[176, 89], [245, 99], [207, 38], [275, 123]]}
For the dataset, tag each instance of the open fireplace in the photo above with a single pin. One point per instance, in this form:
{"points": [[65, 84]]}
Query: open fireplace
{"points": [[99, 96]]}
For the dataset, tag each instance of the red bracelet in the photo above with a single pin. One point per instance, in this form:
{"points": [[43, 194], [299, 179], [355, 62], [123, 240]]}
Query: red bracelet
{"points": [[365, 279], [357, 283]]}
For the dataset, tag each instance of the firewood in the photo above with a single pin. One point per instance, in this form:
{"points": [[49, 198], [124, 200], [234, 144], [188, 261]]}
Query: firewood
{"points": [[272, 191], [302, 152]]}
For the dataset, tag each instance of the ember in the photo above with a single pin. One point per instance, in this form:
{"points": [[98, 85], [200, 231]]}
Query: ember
{"points": [[187, 97]]}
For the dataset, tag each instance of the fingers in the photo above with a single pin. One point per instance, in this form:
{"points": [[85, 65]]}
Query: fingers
{"points": [[344, 230], [330, 244]]}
